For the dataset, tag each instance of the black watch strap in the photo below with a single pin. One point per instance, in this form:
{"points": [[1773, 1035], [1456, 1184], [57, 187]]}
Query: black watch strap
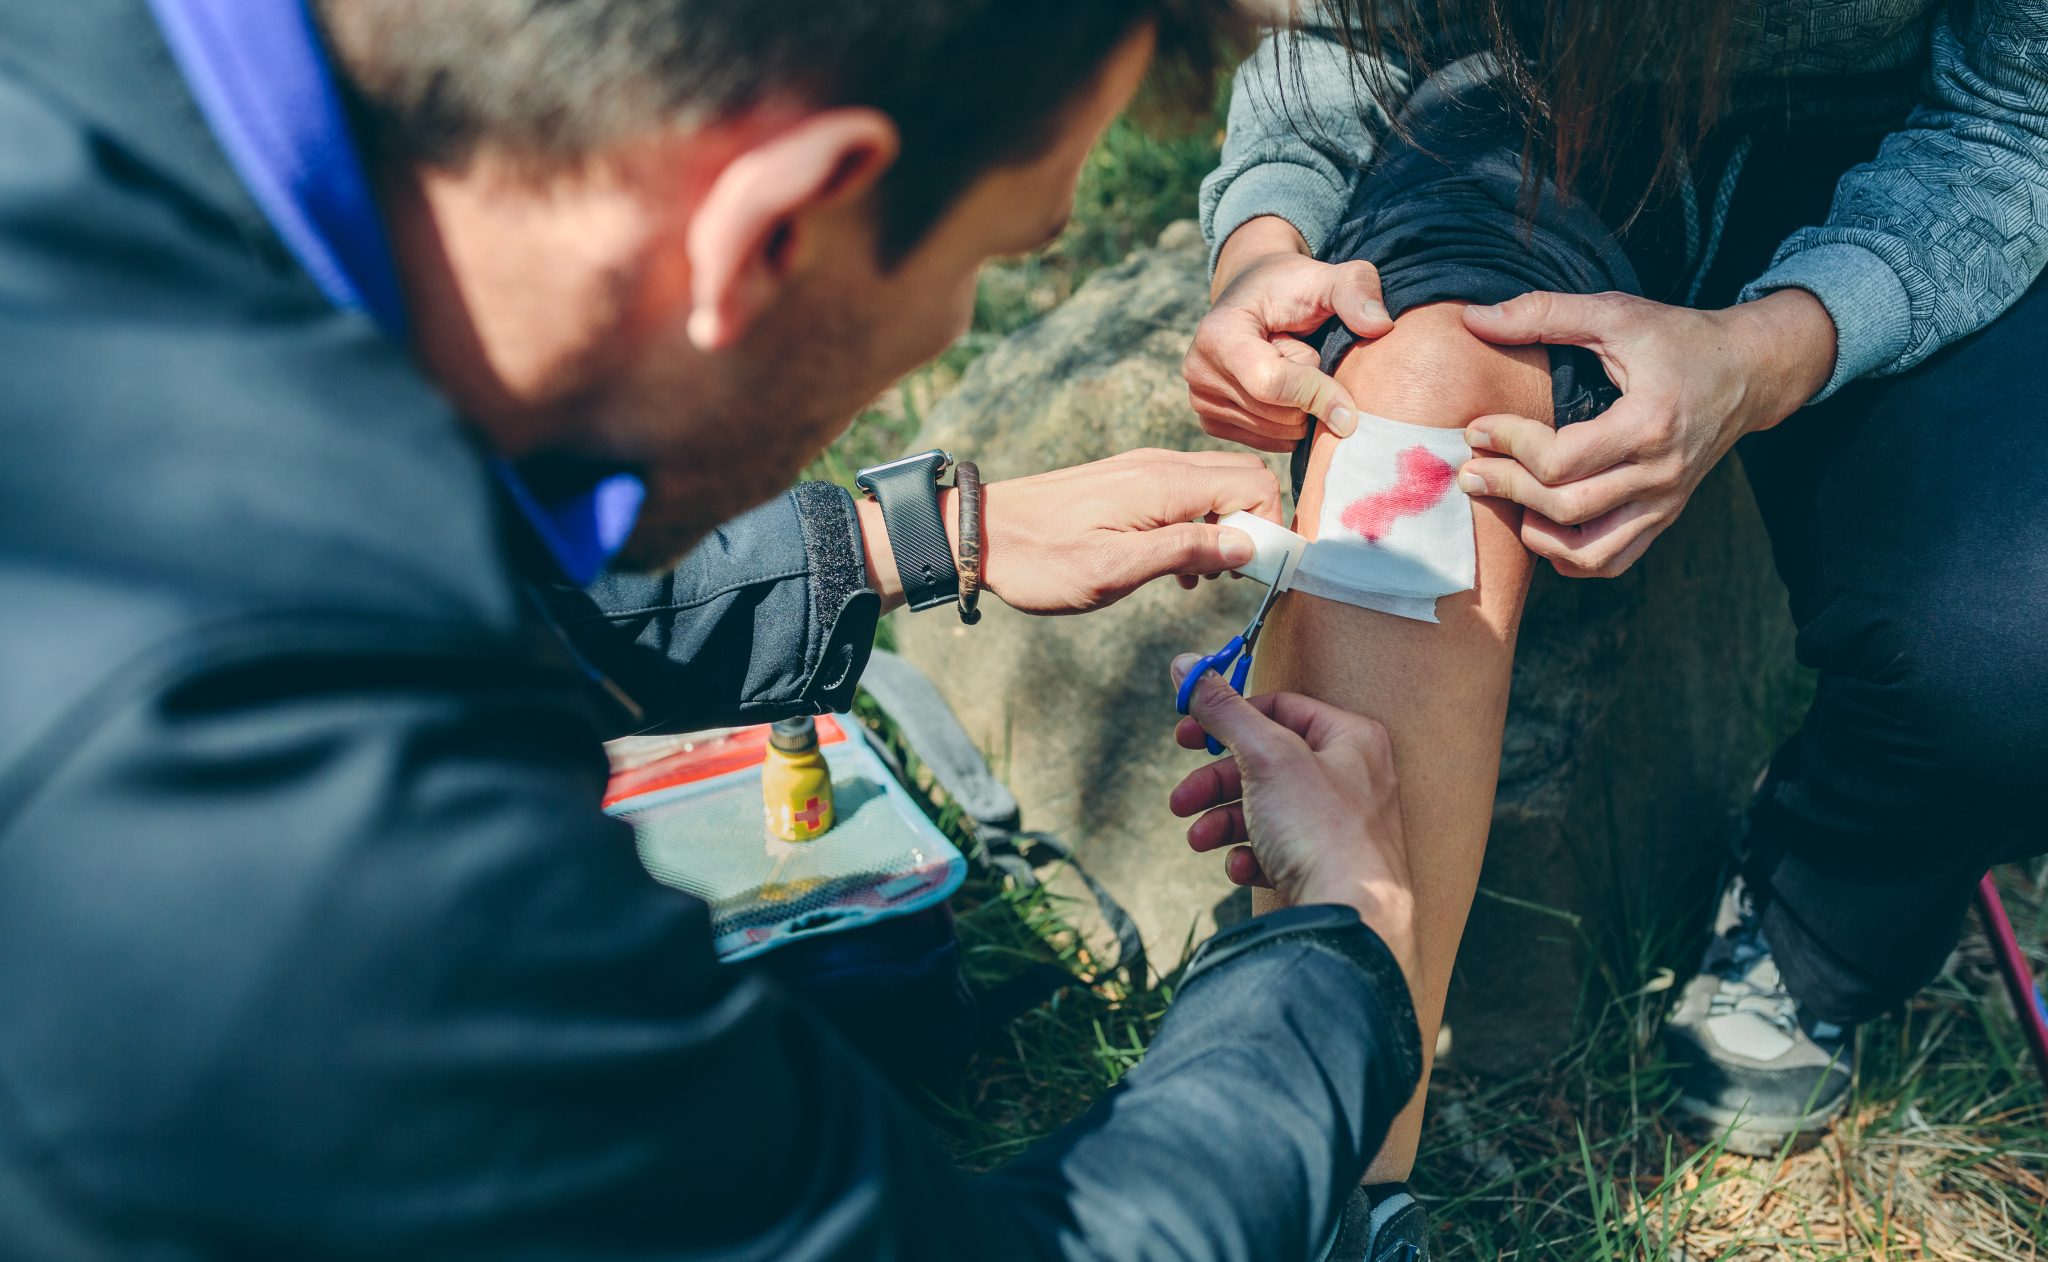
{"points": [[907, 491]]}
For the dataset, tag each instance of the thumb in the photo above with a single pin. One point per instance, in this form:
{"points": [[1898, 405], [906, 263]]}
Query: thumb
{"points": [[1226, 715], [1195, 548], [1561, 319]]}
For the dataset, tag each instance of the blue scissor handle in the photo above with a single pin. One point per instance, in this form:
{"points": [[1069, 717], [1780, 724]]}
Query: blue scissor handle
{"points": [[1216, 661]]}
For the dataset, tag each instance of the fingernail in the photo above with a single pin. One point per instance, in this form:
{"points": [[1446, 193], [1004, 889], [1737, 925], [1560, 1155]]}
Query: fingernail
{"points": [[1375, 313], [1183, 664], [1236, 546], [1477, 437], [1342, 421], [1494, 312], [1471, 484]]}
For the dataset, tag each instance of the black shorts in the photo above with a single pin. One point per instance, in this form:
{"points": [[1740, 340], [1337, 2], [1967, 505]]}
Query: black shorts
{"points": [[1440, 214]]}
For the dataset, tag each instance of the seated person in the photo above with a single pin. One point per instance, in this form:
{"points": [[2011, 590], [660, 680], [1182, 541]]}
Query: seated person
{"points": [[1606, 324]]}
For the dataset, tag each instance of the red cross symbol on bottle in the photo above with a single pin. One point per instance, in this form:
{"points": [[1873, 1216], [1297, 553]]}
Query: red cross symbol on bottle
{"points": [[811, 816]]}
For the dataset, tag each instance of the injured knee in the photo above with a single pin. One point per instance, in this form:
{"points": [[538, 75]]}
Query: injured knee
{"points": [[1431, 370], [1391, 529]]}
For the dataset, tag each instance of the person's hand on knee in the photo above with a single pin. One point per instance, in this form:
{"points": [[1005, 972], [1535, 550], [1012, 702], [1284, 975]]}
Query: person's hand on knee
{"points": [[1596, 494], [1251, 378], [1305, 803]]}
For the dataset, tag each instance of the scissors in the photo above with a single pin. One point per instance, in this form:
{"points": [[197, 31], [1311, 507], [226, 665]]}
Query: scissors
{"points": [[1239, 650]]}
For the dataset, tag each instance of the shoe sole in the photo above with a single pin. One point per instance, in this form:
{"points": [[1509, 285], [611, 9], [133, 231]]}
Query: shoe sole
{"points": [[1750, 1134]]}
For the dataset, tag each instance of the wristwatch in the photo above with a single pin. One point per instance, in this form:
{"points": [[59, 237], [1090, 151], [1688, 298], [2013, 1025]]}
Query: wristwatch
{"points": [[907, 491]]}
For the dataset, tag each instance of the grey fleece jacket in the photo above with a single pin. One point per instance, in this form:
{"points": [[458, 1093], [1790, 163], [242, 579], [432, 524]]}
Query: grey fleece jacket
{"points": [[1928, 242]]}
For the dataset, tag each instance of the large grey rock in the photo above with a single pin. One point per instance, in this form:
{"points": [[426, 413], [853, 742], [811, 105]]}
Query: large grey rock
{"points": [[1642, 707]]}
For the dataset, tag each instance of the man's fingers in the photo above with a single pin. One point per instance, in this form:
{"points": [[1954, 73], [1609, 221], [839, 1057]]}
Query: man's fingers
{"points": [[1318, 723], [1223, 826], [1207, 459], [1209, 785], [1271, 716], [1563, 319], [1233, 720], [1190, 547], [1192, 491], [1572, 504], [1188, 733], [1241, 867]]}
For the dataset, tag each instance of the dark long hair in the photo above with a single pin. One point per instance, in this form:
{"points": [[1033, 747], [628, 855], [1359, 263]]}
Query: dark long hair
{"points": [[1585, 73]]}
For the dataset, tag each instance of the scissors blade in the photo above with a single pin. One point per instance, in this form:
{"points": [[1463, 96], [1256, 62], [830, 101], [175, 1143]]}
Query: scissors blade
{"points": [[1258, 622]]}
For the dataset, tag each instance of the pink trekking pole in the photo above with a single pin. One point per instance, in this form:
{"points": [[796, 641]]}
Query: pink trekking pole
{"points": [[2019, 979]]}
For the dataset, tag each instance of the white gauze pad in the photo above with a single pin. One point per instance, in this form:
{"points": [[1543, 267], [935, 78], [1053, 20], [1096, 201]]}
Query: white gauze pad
{"points": [[1395, 531]]}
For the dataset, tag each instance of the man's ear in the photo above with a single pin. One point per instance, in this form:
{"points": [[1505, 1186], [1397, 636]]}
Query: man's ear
{"points": [[746, 236]]}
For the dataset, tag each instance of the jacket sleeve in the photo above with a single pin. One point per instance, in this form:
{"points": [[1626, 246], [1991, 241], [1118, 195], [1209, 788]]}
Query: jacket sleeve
{"points": [[1303, 124], [770, 616], [1944, 229], [1288, 1050], [338, 955]]}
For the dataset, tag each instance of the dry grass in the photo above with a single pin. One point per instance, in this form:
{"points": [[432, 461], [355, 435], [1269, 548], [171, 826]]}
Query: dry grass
{"points": [[1942, 1155], [1935, 1193]]}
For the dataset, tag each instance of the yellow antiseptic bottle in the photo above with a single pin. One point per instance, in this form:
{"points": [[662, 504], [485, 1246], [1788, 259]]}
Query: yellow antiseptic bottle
{"points": [[796, 786]]}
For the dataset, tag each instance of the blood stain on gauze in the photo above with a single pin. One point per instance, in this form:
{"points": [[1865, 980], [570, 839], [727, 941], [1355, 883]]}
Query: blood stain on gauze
{"points": [[1424, 476], [1394, 533]]}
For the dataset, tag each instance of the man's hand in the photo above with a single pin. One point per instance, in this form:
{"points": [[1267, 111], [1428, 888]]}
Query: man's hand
{"points": [[1598, 492], [1306, 802], [1078, 539], [1251, 380]]}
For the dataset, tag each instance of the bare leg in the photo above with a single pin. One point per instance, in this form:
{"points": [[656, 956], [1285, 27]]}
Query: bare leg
{"points": [[1442, 691]]}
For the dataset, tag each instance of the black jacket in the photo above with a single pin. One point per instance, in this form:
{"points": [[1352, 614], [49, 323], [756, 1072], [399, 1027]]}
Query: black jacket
{"points": [[313, 939]]}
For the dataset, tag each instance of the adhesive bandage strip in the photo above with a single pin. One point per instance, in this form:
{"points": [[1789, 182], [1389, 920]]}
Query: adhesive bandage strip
{"points": [[1278, 549], [1395, 532]]}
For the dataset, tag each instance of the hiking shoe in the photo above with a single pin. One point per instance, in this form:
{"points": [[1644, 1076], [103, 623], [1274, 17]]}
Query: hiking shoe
{"points": [[1381, 1223], [1751, 1067]]}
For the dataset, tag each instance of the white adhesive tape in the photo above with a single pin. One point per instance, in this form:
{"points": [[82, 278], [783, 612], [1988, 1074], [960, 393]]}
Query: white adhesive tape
{"points": [[1279, 549]]}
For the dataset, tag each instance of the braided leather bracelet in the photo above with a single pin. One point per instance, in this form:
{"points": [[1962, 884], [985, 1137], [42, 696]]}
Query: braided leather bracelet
{"points": [[967, 481]]}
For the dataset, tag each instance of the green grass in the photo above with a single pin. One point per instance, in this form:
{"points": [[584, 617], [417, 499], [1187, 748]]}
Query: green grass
{"points": [[1133, 185]]}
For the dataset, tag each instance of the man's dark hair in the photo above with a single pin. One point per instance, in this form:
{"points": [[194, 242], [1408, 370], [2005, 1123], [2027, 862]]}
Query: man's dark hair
{"points": [[971, 84]]}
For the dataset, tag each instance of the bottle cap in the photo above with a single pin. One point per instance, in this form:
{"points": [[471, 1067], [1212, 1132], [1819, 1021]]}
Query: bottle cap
{"points": [[794, 736]]}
